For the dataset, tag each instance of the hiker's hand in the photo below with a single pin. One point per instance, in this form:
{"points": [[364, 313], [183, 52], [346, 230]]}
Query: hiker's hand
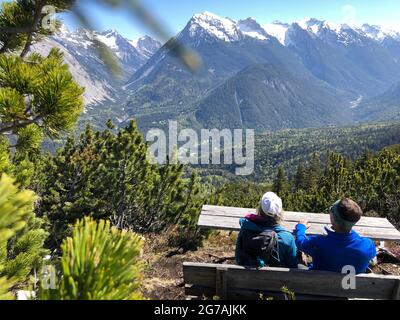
{"points": [[305, 222]]}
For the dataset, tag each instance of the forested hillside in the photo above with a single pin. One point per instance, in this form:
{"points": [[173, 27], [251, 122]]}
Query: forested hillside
{"points": [[372, 179], [288, 148]]}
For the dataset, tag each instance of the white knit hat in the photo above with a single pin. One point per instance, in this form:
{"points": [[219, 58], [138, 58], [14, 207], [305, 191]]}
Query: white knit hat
{"points": [[271, 204]]}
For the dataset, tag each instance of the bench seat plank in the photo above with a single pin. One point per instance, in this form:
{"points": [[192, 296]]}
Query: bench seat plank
{"points": [[293, 216], [201, 277], [227, 218], [232, 224]]}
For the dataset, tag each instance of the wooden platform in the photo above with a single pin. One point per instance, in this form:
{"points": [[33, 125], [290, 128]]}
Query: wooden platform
{"points": [[227, 218]]}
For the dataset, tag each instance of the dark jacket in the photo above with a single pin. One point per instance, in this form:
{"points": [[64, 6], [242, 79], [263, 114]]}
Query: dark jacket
{"points": [[286, 244]]}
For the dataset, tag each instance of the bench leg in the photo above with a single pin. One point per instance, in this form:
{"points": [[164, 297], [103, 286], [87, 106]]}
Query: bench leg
{"points": [[221, 283], [396, 291]]}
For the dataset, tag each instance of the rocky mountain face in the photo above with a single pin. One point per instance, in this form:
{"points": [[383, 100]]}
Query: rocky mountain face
{"points": [[89, 71]]}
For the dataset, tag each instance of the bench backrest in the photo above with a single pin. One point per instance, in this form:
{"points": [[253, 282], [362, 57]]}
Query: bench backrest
{"points": [[235, 282]]}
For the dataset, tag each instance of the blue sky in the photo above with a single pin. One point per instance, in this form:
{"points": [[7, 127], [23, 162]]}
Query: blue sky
{"points": [[176, 13]]}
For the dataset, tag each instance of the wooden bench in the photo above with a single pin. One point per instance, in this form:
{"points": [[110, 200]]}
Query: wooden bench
{"points": [[235, 282], [227, 218]]}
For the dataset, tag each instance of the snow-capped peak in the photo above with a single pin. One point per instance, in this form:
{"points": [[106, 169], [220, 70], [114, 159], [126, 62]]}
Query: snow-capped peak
{"points": [[380, 32], [111, 38], [146, 45], [222, 28], [141, 48], [278, 30], [373, 31], [322, 29], [135, 42], [251, 28], [210, 17], [310, 24], [110, 33], [315, 26]]}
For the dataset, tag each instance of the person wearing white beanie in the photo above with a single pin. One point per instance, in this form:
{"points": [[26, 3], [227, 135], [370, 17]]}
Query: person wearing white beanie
{"points": [[262, 240]]}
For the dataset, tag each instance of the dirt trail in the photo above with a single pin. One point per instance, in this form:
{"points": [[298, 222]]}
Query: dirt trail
{"points": [[163, 273]]}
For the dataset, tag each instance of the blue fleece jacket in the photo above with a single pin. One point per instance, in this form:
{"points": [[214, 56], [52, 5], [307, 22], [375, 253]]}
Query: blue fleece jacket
{"points": [[286, 244], [336, 250]]}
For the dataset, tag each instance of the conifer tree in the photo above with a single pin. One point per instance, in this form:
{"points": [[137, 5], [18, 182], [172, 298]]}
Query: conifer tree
{"points": [[24, 22], [281, 184], [300, 180], [107, 175], [98, 262], [21, 237], [314, 171], [337, 175], [38, 96]]}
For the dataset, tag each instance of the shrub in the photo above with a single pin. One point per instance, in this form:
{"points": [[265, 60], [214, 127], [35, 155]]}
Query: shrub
{"points": [[19, 252], [98, 262]]}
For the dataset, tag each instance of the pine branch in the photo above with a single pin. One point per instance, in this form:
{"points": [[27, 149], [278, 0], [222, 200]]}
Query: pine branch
{"points": [[35, 27], [7, 127], [11, 30]]}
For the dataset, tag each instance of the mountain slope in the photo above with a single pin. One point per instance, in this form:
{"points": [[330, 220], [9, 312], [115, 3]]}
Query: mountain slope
{"points": [[340, 64], [384, 107], [265, 97], [323, 73], [86, 67], [165, 88], [346, 57], [132, 54]]}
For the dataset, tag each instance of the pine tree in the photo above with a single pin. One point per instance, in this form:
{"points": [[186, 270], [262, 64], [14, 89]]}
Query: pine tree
{"points": [[21, 238], [376, 184], [314, 171], [98, 262], [38, 96], [24, 252], [55, 100], [107, 175], [281, 184], [337, 176], [188, 236], [301, 178], [23, 22]]}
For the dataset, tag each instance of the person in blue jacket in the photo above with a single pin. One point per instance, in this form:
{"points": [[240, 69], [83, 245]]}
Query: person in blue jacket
{"points": [[269, 216], [341, 246]]}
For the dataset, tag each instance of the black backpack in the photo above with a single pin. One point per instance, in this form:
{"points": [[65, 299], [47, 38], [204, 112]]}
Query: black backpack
{"points": [[258, 248]]}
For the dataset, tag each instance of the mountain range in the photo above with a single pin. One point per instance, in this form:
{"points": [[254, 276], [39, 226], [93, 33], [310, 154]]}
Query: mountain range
{"points": [[80, 53], [309, 73]]}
